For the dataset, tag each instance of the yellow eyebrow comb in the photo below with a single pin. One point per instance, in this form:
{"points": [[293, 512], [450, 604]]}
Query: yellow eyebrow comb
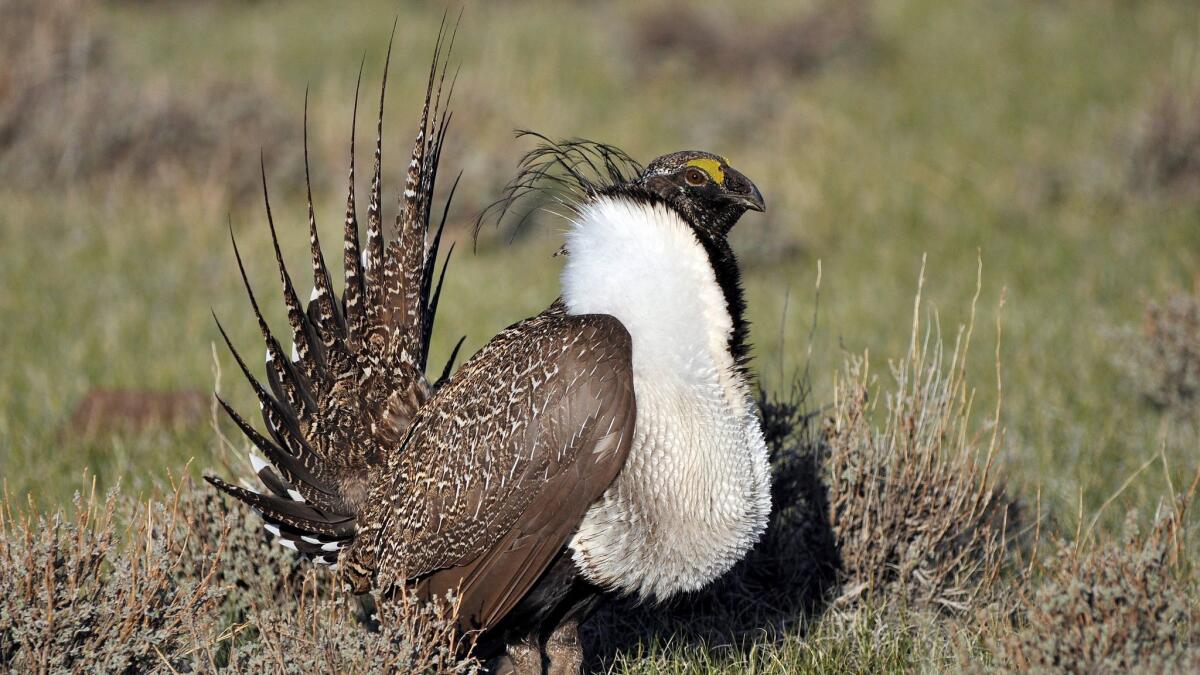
{"points": [[710, 166]]}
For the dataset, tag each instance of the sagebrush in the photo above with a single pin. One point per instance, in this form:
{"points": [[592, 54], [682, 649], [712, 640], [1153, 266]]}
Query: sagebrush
{"points": [[190, 582], [914, 501], [1109, 607], [1166, 353]]}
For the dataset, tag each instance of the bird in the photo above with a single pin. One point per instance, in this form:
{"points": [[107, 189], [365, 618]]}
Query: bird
{"points": [[608, 445]]}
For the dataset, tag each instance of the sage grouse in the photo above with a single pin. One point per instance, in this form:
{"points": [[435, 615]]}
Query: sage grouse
{"points": [[609, 443]]}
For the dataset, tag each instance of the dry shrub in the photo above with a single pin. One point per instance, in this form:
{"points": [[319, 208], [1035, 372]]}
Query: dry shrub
{"points": [[73, 598], [323, 636], [67, 113], [254, 569], [1111, 607], [1167, 146], [918, 517], [299, 620], [1166, 353], [191, 582], [795, 45]]}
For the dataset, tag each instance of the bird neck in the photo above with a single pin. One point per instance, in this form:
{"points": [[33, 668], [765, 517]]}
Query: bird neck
{"points": [[676, 293]]}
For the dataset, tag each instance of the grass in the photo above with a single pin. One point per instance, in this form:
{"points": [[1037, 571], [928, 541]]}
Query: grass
{"points": [[1001, 132]]}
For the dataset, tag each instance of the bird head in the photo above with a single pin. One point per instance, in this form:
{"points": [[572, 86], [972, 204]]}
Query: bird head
{"points": [[703, 188], [700, 186]]}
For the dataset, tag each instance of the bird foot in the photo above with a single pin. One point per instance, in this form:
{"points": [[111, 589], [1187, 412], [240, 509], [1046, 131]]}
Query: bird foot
{"points": [[366, 611], [521, 658], [564, 650]]}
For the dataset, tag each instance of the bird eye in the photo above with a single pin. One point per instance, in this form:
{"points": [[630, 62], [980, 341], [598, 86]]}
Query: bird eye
{"points": [[695, 177]]}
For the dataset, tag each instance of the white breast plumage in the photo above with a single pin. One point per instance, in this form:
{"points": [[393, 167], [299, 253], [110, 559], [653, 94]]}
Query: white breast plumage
{"points": [[694, 494]]}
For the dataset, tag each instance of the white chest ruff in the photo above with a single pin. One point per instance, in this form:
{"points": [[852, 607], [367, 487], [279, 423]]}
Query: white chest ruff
{"points": [[694, 494]]}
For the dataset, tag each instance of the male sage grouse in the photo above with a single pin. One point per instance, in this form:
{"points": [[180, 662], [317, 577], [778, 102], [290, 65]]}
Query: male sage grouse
{"points": [[608, 444]]}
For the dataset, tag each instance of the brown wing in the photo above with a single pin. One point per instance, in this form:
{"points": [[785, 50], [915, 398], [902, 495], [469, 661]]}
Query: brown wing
{"points": [[503, 463]]}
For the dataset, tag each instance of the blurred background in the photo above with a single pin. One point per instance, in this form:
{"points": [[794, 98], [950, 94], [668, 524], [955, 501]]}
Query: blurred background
{"points": [[1057, 142]]}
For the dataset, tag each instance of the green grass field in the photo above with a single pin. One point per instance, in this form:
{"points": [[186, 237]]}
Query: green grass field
{"points": [[955, 133]]}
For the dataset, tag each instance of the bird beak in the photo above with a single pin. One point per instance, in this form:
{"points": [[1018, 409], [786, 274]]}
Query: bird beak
{"points": [[753, 201], [743, 191]]}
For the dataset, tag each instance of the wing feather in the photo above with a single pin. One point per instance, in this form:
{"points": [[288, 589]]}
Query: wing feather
{"points": [[503, 462]]}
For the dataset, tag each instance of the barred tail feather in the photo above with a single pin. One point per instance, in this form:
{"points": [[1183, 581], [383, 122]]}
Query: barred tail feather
{"points": [[288, 441], [412, 258], [304, 338], [324, 313], [283, 378], [374, 265], [340, 404], [431, 304], [294, 514], [352, 296], [449, 367], [293, 473]]}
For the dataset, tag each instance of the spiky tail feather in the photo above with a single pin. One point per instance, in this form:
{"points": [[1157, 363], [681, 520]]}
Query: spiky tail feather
{"points": [[314, 470]]}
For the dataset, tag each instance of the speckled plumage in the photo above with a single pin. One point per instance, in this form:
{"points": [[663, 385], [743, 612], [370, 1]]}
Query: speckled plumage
{"points": [[474, 483], [608, 442], [344, 402], [505, 459]]}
